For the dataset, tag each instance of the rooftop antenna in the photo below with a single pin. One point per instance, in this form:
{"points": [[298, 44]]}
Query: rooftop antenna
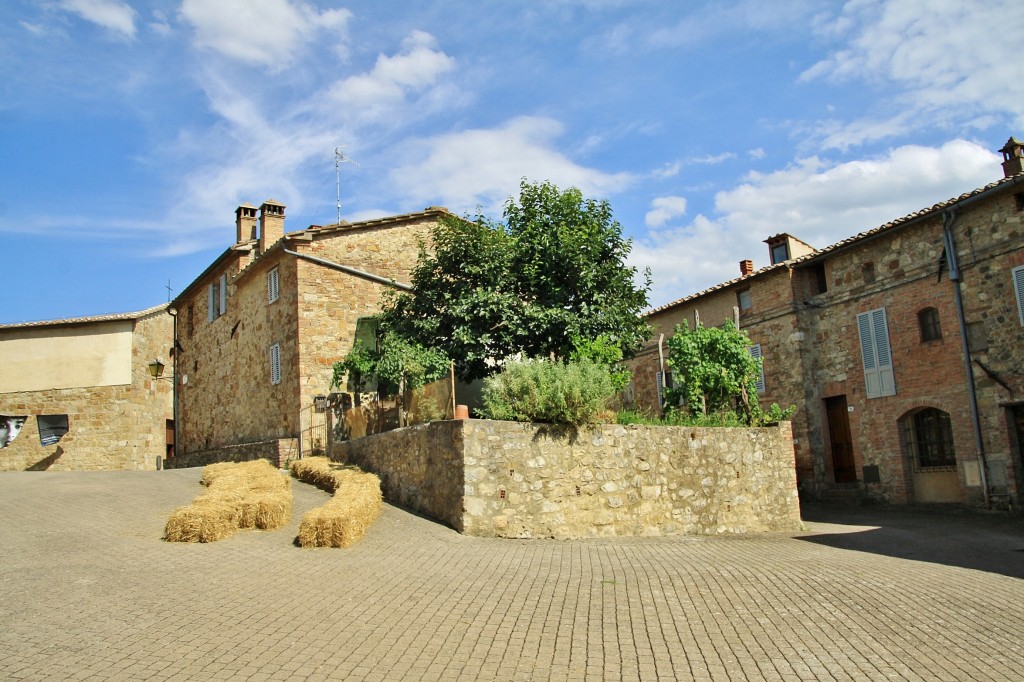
{"points": [[340, 158], [169, 289]]}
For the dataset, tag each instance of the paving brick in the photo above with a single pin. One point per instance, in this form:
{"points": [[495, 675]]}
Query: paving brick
{"points": [[90, 591]]}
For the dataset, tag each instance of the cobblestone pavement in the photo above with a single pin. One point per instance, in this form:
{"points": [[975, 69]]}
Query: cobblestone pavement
{"points": [[89, 590]]}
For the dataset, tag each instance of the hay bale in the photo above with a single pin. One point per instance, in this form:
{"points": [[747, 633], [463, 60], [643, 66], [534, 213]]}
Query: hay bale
{"points": [[239, 495], [202, 521], [345, 518]]}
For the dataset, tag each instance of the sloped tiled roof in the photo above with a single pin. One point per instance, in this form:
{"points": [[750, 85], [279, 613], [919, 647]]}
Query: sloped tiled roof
{"points": [[891, 225], [68, 321]]}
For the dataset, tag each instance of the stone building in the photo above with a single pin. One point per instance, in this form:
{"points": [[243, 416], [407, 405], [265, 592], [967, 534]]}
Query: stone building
{"points": [[259, 330], [902, 347], [93, 376]]}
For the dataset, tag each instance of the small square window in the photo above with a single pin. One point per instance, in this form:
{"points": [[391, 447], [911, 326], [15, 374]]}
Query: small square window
{"points": [[780, 253], [743, 300], [928, 322]]}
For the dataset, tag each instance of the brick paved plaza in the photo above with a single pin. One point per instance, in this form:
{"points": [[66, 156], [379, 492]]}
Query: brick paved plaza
{"points": [[89, 590]]}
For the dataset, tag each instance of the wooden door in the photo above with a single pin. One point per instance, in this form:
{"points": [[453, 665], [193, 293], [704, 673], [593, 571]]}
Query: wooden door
{"points": [[842, 444]]}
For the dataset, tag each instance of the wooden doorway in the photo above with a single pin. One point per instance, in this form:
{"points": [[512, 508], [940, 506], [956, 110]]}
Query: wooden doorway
{"points": [[843, 466]]}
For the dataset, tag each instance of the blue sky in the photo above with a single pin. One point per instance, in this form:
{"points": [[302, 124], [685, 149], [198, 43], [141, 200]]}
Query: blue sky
{"points": [[130, 131]]}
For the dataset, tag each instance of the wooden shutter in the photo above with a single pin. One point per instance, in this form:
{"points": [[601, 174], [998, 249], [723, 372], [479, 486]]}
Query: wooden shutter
{"points": [[273, 286], [275, 364], [1018, 288], [755, 352], [223, 294], [876, 354]]}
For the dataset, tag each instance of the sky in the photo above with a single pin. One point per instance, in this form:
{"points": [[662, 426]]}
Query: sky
{"points": [[130, 131]]}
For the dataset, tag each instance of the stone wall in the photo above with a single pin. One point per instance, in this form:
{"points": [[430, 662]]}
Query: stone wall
{"points": [[110, 427], [505, 479], [277, 452]]}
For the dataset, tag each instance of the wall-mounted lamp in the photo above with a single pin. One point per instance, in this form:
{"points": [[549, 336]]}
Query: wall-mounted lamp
{"points": [[156, 369]]}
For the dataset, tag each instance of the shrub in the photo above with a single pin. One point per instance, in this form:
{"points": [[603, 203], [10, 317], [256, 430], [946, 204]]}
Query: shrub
{"points": [[549, 391]]}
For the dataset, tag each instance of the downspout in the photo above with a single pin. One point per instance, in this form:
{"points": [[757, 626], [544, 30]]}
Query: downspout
{"points": [[173, 312], [948, 218]]}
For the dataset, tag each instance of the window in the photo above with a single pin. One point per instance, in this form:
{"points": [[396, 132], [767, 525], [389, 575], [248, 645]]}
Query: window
{"points": [[273, 286], [217, 299], [1018, 288], [743, 300], [755, 352], [664, 381], [780, 253], [223, 294], [926, 436], [819, 279], [212, 296], [275, 364], [928, 323], [1018, 199], [875, 352], [867, 272]]}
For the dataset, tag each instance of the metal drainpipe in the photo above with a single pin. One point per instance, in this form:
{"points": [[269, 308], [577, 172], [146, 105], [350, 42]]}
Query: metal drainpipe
{"points": [[948, 218], [174, 378]]}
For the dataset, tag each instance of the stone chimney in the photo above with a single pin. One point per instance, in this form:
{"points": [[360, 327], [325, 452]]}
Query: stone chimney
{"points": [[1013, 157], [746, 267], [271, 224], [245, 223]]}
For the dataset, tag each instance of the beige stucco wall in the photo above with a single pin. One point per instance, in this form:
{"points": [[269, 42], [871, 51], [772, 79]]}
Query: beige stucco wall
{"points": [[121, 426], [505, 479], [39, 359]]}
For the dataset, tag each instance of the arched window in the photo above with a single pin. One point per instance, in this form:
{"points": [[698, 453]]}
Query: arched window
{"points": [[928, 322], [926, 436]]}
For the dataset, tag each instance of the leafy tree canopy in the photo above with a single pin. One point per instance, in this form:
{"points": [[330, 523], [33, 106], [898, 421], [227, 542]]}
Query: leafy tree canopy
{"points": [[552, 273], [714, 373]]}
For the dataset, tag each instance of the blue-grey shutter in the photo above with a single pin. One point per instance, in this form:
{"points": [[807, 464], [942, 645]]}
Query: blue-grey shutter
{"points": [[876, 354], [755, 352], [275, 364], [211, 303], [661, 389], [223, 294], [1018, 288]]}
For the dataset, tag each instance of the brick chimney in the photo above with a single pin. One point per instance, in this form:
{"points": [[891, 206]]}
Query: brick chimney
{"points": [[245, 223], [746, 267], [271, 224], [1013, 157]]}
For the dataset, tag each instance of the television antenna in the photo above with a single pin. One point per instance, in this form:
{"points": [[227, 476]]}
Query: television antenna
{"points": [[340, 158]]}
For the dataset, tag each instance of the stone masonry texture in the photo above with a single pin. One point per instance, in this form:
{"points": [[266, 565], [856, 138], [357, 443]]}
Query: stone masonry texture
{"points": [[812, 352], [506, 479], [110, 427], [89, 590]]}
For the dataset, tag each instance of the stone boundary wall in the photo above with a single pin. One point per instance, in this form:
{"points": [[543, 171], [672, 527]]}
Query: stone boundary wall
{"points": [[277, 452], [420, 467], [506, 479]]}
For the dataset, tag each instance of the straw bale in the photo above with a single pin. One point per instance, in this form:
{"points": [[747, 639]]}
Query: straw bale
{"points": [[345, 518], [238, 495], [202, 521]]}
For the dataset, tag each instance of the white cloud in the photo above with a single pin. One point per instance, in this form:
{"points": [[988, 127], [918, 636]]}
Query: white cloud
{"points": [[266, 32], [483, 167], [713, 159], [110, 14], [950, 65], [818, 202], [417, 67], [664, 209]]}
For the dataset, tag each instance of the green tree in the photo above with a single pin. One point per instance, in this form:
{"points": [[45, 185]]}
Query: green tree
{"points": [[713, 373], [552, 273]]}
